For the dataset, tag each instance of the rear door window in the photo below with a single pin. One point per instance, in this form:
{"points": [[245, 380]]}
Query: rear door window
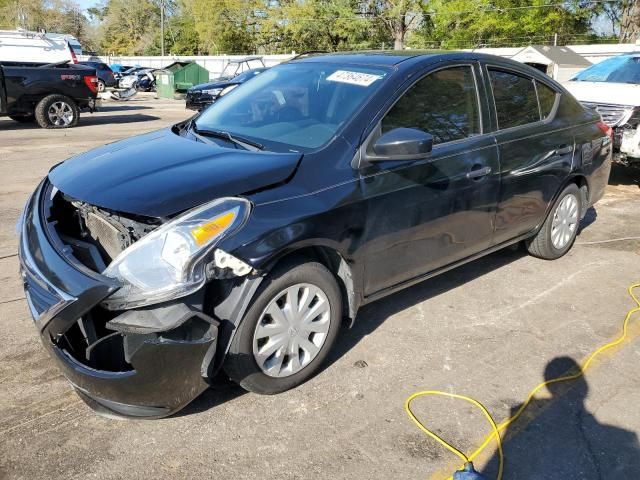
{"points": [[515, 99], [444, 104], [546, 97]]}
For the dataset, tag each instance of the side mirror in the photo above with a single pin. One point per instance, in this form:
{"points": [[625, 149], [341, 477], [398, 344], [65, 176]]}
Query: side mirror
{"points": [[402, 144]]}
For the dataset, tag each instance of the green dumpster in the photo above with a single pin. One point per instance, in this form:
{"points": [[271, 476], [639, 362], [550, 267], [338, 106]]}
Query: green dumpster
{"points": [[179, 77]]}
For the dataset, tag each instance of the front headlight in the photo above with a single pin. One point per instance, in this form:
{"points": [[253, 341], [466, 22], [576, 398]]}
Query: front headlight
{"points": [[213, 92], [170, 262]]}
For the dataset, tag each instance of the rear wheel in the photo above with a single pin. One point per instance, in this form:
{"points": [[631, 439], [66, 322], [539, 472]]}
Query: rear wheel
{"points": [[288, 331], [57, 111], [23, 118], [101, 86], [559, 230]]}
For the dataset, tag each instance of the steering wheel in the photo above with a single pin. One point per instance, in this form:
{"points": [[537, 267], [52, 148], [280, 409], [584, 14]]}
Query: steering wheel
{"points": [[288, 114]]}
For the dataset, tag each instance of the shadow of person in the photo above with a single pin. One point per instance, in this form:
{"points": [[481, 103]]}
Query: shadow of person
{"points": [[558, 439]]}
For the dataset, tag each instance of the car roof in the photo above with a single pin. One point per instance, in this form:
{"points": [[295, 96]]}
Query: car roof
{"points": [[391, 57]]}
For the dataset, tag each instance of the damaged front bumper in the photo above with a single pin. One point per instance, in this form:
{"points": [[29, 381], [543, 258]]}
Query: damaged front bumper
{"points": [[148, 362]]}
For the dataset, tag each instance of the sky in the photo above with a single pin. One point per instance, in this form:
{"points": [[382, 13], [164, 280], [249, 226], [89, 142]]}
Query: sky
{"points": [[84, 4]]}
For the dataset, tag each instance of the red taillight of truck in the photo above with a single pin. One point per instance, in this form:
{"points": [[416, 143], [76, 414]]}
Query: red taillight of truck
{"points": [[92, 82]]}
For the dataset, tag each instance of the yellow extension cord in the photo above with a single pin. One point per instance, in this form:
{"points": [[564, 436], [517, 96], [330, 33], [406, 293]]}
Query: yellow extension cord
{"points": [[496, 429]]}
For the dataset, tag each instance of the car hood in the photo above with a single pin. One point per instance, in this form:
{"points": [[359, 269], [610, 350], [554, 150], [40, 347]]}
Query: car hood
{"points": [[211, 85], [605, 92], [161, 173]]}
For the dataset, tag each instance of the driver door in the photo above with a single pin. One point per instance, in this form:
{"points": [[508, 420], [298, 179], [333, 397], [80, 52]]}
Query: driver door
{"points": [[426, 214]]}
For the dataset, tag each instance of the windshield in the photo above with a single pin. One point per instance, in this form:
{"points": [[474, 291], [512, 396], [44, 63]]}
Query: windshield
{"points": [[620, 69], [293, 106]]}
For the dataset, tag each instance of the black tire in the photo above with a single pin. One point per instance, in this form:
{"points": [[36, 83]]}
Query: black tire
{"points": [[542, 245], [240, 364], [43, 108], [101, 86], [23, 118]]}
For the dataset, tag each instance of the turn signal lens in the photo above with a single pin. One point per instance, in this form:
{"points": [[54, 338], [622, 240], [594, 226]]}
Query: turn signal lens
{"points": [[211, 229]]}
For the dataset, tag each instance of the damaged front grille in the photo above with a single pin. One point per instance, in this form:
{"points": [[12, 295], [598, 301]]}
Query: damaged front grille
{"points": [[95, 235], [91, 343]]}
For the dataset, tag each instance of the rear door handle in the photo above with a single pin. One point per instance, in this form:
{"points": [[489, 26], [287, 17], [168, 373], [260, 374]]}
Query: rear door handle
{"points": [[477, 173], [564, 150]]}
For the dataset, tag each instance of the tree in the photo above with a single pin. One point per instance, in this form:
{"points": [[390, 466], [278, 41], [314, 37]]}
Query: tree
{"points": [[129, 27], [398, 17], [459, 24], [330, 25], [231, 26], [629, 21]]}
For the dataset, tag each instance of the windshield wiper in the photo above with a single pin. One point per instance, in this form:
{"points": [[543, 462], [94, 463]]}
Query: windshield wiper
{"points": [[243, 142]]}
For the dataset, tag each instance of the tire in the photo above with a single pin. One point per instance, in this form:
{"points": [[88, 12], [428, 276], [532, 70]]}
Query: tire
{"points": [[57, 111], [559, 230], [23, 118], [241, 364], [101, 86]]}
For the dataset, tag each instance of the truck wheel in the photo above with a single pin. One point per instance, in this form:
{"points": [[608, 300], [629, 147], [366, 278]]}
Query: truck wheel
{"points": [[288, 331], [23, 118], [559, 230], [57, 111]]}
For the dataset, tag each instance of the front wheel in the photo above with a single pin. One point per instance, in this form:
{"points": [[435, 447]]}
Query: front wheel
{"points": [[559, 230], [288, 331], [101, 86]]}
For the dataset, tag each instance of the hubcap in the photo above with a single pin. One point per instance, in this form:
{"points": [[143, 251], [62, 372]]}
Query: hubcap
{"points": [[565, 222], [291, 330], [60, 113]]}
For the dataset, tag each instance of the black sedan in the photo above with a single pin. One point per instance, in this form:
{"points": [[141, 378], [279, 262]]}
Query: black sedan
{"points": [[201, 96], [241, 240], [106, 78]]}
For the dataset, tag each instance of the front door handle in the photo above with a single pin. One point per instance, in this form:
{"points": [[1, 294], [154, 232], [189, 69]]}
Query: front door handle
{"points": [[478, 172]]}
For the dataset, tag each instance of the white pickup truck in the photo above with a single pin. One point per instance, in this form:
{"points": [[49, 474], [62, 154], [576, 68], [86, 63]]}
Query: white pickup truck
{"points": [[612, 87]]}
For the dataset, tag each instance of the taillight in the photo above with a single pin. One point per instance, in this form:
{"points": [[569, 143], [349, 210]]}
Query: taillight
{"points": [[92, 82], [606, 129], [74, 59]]}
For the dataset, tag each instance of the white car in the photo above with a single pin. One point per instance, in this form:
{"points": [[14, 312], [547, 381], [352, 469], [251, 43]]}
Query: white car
{"points": [[612, 87]]}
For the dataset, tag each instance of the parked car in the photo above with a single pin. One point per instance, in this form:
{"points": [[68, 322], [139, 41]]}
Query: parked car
{"points": [[38, 47], [240, 65], [201, 96], [106, 79], [612, 88], [241, 239], [142, 79], [52, 95]]}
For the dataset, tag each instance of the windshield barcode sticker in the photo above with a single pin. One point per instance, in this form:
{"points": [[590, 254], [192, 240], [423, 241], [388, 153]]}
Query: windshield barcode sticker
{"points": [[353, 78]]}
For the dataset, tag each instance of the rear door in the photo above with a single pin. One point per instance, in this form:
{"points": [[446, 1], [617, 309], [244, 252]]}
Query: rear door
{"points": [[536, 149], [422, 215]]}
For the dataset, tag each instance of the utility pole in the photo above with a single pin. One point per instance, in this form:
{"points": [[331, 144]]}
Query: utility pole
{"points": [[162, 27]]}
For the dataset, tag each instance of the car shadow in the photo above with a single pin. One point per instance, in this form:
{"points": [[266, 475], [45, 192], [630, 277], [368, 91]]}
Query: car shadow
{"points": [[85, 121], [624, 174], [589, 218], [222, 390], [123, 107], [108, 119], [371, 316]]}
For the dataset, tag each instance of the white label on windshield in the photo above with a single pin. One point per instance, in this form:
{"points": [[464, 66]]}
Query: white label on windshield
{"points": [[353, 78]]}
